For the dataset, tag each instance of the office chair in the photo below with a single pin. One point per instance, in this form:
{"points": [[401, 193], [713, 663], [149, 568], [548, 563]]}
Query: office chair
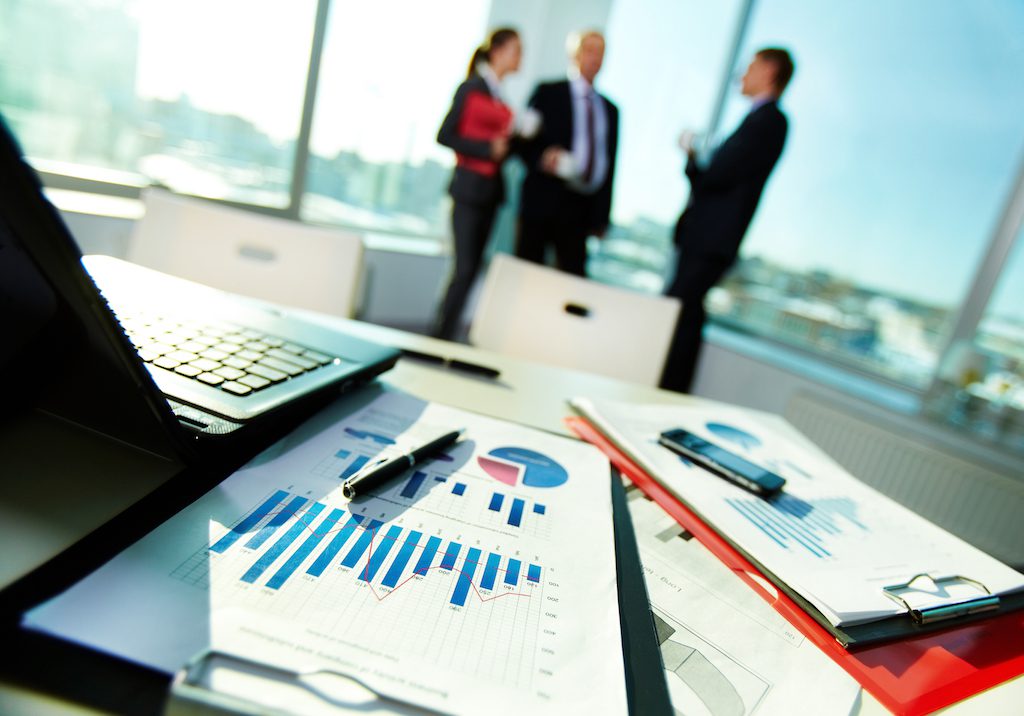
{"points": [[537, 313], [244, 252]]}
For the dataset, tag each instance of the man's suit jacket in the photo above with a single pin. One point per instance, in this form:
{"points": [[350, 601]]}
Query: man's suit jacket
{"points": [[543, 194], [724, 195], [475, 118]]}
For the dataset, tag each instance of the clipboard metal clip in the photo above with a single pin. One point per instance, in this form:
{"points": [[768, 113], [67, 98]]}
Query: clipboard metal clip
{"points": [[193, 692], [947, 610]]}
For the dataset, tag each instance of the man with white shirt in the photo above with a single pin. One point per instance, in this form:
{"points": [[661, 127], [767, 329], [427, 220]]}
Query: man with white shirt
{"points": [[570, 164]]}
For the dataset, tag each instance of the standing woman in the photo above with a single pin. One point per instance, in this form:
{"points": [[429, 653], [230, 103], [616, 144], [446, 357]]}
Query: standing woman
{"points": [[478, 127]]}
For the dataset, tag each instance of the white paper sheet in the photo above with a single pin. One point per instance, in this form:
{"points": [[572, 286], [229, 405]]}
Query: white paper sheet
{"points": [[828, 536], [521, 614], [725, 650]]}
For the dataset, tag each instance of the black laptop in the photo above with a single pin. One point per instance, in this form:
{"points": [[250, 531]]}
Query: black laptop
{"points": [[164, 364]]}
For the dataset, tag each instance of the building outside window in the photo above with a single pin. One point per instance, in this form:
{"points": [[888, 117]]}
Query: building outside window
{"points": [[980, 383], [202, 97], [374, 158]]}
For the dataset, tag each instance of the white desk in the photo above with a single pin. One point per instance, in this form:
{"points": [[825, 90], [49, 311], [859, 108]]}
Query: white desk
{"points": [[527, 393]]}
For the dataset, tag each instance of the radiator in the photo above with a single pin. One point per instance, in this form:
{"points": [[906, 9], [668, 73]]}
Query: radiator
{"points": [[980, 505]]}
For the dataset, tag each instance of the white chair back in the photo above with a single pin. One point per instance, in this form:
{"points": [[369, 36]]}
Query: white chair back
{"points": [[537, 313], [244, 252]]}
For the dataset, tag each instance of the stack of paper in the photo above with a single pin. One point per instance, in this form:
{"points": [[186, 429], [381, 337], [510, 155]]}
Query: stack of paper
{"points": [[725, 650], [481, 581], [828, 537]]}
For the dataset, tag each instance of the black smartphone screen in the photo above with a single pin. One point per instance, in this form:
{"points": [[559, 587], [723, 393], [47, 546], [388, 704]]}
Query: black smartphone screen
{"points": [[722, 462]]}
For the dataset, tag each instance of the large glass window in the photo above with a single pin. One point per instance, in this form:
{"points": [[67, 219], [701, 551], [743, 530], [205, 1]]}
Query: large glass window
{"points": [[374, 158], [204, 97], [980, 385], [904, 136], [663, 67]]}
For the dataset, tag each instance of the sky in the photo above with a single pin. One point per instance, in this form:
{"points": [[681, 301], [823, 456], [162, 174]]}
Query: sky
{"points": [[243, 57]]}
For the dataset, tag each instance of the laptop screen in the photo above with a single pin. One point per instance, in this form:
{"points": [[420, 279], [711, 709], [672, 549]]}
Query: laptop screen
{"points": [[63, 352]]}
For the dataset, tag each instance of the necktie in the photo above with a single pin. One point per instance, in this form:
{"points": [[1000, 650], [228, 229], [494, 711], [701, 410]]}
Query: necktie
{"points": [[588, 168]]}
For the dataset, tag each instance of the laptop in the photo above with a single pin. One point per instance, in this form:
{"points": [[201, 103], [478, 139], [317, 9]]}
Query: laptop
{"points": [[170, 366]]}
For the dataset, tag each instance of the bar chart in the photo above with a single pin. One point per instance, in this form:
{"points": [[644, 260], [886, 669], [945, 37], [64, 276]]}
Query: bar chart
{"points": [[517, 508], [417, 588], [287, 535], [792, 523]]}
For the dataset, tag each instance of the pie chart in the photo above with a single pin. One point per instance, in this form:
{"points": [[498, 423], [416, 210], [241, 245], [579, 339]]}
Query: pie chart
{"points": [[734, 435], [515, 465]]}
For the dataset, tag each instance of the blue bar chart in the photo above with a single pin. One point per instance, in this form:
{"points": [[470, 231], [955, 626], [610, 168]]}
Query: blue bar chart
{"points": [[517, 508], [284, 533], [300, 555], [282, 543], [466, 577], [490, 571], [355, 466], [792, 523], [414, 483], [515, 515], [394, 574], [423, 563], [512, 572]]}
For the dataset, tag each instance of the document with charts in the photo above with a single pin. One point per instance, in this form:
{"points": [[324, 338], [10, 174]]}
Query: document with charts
{"points": [[724, 649], [481, 581], [827, 536]]}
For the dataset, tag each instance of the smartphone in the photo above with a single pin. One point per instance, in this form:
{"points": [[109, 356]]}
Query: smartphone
{"points": [[722, 462]]}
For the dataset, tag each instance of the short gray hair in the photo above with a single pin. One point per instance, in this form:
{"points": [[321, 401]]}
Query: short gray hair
{"points": [[576, 38]]}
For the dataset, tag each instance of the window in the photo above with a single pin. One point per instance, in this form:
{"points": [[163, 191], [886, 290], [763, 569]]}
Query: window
{"points": [[663, 67], [903, 143], [980, 386], [140, 91], [374, 158]]}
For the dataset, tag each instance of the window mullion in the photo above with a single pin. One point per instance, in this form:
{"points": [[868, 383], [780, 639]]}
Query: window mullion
{"points": [[301, 161]]}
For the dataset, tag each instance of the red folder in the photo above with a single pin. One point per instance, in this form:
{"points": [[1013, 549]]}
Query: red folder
{"points": [[485, 118], [914, 676]]}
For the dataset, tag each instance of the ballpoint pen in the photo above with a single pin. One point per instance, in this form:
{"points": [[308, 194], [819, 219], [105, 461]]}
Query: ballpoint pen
{"points": [[453, 363], [378, 473]]}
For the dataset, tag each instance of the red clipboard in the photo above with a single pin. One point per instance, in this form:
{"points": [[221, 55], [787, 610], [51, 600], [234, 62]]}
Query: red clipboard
{"points": [[913, 676]]}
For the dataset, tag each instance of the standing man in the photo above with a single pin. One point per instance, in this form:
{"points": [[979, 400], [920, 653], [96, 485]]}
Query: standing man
{"points": [[723, 197], [570, 164]]}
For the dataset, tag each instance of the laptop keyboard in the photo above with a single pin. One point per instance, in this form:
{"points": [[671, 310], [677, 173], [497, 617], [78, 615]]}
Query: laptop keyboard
{"points": [[238, 360]]}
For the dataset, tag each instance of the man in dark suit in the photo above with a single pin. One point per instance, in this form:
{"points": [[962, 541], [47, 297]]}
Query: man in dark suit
{"points": [[570, 164], [724, 194]]}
